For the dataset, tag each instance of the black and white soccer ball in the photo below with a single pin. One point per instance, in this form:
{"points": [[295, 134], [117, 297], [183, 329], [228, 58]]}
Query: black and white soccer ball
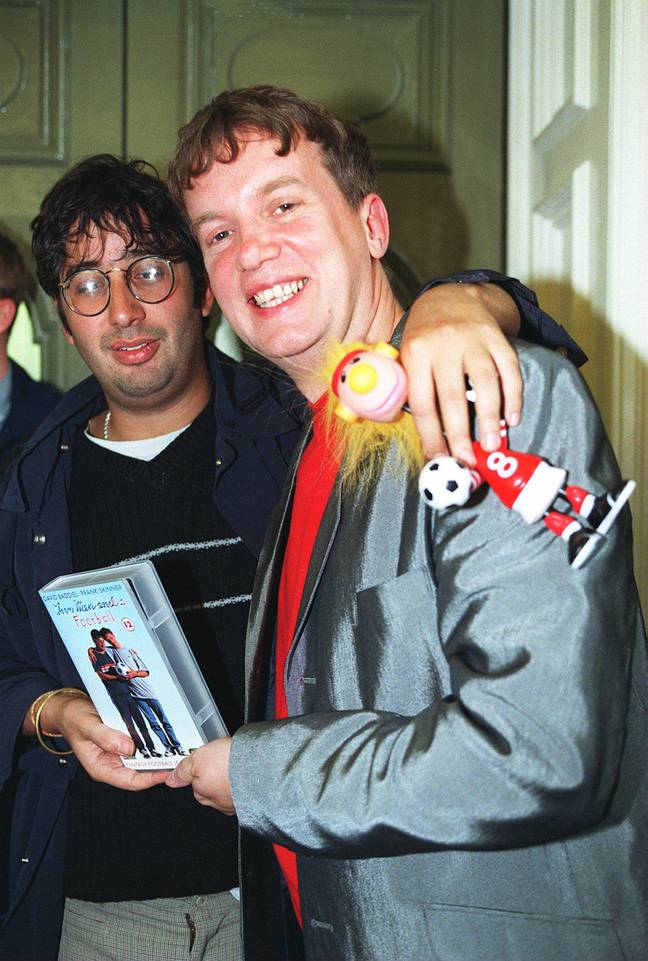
{"points": [[445, 482], [121, 668]]}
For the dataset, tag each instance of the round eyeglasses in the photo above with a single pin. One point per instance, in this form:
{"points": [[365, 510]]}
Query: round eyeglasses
{"points": [[87, 290]]}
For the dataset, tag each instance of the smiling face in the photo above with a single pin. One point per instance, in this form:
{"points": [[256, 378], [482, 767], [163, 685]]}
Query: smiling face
{"points": [[145, 356], [290, 262]]}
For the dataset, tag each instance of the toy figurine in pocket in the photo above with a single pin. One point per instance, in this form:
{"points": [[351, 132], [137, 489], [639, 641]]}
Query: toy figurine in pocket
{"points": [[370, 385]]}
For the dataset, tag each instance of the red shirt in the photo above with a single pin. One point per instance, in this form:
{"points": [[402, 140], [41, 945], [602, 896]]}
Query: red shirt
{"points": [[314, 482]]}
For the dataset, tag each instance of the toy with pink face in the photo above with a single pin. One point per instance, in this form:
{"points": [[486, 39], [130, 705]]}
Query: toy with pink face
{"points": [[370, 385]]}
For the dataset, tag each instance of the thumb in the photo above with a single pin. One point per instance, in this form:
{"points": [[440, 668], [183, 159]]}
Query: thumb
{"points": [[182, 775], [111, 740], [84, 725]]}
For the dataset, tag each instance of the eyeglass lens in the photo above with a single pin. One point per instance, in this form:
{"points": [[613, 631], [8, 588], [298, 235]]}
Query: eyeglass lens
{"points": [[149, 279]]}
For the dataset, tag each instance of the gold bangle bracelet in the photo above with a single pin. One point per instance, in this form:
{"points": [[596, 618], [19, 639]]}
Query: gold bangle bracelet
{"points": [[32, 714], [44, 698]]}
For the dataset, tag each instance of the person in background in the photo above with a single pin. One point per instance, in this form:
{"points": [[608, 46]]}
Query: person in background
{"points": [[24, 402]]}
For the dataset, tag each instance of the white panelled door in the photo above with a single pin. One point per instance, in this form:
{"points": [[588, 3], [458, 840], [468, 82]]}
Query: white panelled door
{"points": [[577, 96]]}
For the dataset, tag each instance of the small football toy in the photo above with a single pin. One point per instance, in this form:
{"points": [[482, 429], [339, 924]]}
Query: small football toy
{"points": [[371, 385]]}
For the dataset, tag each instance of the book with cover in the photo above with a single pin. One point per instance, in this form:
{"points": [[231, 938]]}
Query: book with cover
{"points": [[121, 632]]}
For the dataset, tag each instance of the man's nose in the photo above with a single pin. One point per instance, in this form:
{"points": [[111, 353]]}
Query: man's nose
{"points": [[124, 308], [256, 247]]}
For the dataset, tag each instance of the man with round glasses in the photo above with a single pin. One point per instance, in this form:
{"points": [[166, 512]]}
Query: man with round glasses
{"points": [[86, 290], [169, 451]]}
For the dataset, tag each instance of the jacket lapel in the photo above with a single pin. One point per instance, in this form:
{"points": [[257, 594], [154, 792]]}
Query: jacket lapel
{"points": [[323, 543], [263, 609]]}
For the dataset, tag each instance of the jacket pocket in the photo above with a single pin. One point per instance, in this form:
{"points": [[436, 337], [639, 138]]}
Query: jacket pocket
{"points": [[458, 933]]}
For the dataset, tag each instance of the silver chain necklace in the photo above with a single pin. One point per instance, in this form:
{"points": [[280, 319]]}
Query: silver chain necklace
{"points": [[106, 425]]}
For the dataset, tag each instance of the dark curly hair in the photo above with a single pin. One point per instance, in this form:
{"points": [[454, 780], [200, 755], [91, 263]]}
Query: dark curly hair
{"points": [[214, 134], [110, 194]]}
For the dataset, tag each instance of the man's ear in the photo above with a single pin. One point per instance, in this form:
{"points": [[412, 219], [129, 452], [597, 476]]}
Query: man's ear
{"points": [[208, 302], [64, 324], [376, 223], [8, 311], [68, 336]]}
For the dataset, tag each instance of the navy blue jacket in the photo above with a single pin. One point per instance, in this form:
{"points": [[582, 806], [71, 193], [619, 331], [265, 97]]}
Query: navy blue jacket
{"points": [[255, 437], [31, 402], [258, 426]]}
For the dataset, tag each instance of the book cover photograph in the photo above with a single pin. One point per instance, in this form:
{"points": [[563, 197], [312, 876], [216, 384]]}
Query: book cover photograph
{"points": [[135, 662]]}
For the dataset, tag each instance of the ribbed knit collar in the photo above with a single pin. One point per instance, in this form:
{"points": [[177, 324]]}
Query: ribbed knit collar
{"points": [[181, 452]]}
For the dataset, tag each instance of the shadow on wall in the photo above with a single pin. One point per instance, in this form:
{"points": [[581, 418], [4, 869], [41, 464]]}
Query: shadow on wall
{"points": [[622, 401], [429, 229], [590, 329], [429, 234]]}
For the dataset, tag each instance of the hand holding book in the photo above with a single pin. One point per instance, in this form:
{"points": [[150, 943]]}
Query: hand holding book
{"points": [[97, 747], [133, 659]]}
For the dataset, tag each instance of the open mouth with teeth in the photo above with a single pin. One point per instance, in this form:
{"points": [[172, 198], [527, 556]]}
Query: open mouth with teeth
{"points": [[130, 347], [131, 353], [279, 294]]}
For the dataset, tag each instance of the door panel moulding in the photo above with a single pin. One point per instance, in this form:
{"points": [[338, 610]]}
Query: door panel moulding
{"points": [[565, 35], [627, 277]]}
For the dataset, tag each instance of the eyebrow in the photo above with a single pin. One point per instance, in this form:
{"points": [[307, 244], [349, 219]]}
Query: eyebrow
{"points": [[263, 191], [272, 185], [92, 264]]}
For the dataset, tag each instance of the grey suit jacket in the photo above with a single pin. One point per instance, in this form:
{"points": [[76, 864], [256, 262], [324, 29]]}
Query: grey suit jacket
{"points": [[465, 776]]}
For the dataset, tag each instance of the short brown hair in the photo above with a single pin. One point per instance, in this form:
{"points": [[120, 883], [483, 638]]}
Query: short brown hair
{"points": [[13, 273], [215, 132]]}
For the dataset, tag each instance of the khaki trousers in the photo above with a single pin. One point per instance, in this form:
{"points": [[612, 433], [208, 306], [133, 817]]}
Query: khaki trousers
{"points": [[201, 928]]}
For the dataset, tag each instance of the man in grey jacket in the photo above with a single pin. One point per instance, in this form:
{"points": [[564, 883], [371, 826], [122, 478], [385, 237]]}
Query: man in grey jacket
{"points": [[456, 768]]}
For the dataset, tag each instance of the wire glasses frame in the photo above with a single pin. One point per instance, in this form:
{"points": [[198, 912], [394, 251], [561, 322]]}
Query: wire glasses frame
{"points": [[87, 291]]}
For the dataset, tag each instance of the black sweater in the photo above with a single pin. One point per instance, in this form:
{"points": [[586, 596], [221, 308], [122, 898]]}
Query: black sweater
{"points": [[161, 843]]}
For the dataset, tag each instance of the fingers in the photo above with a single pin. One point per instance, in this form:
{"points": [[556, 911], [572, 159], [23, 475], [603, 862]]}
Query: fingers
{"points": [[512, 384], [485, 382], [110, 770], [497, 383], [454, 331], [143, 780], [434, 360], [437, 391], [423, 406], [430, 431], [453, 406], [108, 767], [437, 400]]}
